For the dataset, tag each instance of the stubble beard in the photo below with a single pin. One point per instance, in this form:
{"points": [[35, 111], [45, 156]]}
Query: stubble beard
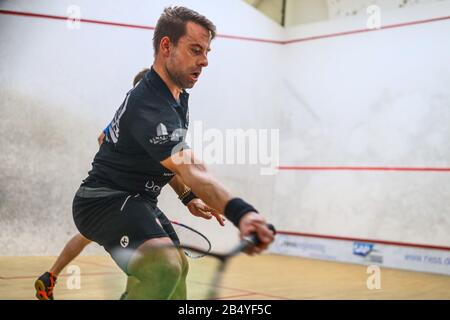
{"points": [[177, 78]]}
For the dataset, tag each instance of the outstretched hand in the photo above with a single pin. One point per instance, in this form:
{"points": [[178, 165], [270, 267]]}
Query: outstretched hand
{"points": [[199, 209]]}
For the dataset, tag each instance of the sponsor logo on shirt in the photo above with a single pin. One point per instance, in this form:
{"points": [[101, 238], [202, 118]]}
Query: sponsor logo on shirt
{"points": [[124, 241], [163, 135], [160, 139], [161, 130], [168, 174], [152, 186]]}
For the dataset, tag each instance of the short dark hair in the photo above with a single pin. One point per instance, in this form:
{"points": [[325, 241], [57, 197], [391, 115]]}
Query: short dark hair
{"points": [[139, 76], [172, 24]]}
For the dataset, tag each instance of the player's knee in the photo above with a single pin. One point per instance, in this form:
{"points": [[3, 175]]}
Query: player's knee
{"points": [[174, 271], [166, 268]]}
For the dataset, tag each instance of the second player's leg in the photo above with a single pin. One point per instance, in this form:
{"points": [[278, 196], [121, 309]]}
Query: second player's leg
{"points": [[45, 283], [71, 250]]}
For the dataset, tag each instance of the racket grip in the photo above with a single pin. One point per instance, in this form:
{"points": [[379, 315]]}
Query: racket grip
{"points": [[249, 241], [253, 239]]}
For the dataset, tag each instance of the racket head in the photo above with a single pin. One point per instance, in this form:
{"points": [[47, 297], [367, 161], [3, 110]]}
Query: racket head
{"points": [[194, 243]]}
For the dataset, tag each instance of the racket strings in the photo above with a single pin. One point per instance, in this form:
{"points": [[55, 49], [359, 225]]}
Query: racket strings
{"points": [[193, 239]]}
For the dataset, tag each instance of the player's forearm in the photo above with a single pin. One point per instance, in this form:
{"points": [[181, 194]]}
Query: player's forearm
{"points": [[195, 175], [178, 185], [205, 186]]}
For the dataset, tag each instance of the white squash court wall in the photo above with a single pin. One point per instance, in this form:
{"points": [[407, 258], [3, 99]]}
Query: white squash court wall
{"points": [[61, 87], [376, 99]]}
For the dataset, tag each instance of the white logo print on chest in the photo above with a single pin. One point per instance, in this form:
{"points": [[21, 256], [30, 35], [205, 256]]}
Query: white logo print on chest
{"points": [[162, 135], [161, 130]]}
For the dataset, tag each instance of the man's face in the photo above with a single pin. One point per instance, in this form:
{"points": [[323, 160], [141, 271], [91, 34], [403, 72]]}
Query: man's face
{"points": [[187, 59]]}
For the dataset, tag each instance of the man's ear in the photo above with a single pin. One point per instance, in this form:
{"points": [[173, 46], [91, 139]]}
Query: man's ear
{"points": [[164, 46]]}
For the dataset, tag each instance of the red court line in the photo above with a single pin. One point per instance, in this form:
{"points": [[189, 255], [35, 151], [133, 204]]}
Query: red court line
{"points": [[252, 294], [126, 25], [218, 286], [391, 243], [235, 296], [102, 22], [272, 41], [244, 291], [345, 33], [271, 296], [344, 168], [224, 36]]}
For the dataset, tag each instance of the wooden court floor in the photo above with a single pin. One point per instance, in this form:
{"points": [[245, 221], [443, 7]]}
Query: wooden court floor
{"points": [[263, 277]]}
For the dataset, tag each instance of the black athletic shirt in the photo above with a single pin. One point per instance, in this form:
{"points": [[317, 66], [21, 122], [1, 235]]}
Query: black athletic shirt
{"points": [[146, 128]]}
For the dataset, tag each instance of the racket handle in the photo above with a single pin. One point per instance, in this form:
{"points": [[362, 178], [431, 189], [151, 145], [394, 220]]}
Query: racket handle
{"points": [[253, 240]]}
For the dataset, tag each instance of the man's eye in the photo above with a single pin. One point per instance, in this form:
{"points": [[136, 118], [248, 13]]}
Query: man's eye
{"points": [[196, 51]]}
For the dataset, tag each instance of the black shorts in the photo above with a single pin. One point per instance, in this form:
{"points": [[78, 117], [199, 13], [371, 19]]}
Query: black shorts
{"points": [[119, 221]]}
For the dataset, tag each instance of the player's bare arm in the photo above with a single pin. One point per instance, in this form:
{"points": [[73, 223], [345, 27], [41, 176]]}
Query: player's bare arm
{"points": [[196, 206], [196, 175]]}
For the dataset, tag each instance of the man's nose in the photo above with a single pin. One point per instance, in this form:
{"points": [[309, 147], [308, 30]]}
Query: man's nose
{"points": [[203, 61]]}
